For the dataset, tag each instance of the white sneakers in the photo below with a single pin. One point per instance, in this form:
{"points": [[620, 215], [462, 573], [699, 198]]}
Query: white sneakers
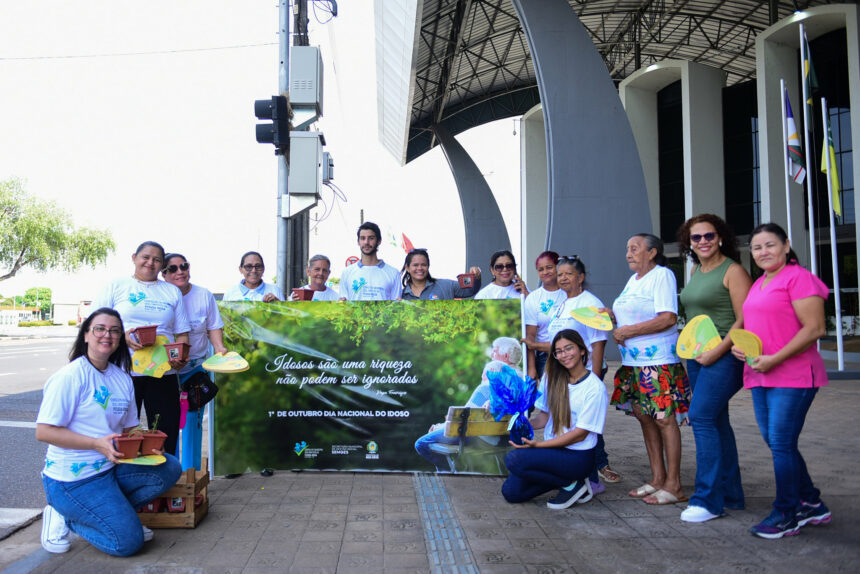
{"points": [[147, 533], [55, 533], [697, 514]]}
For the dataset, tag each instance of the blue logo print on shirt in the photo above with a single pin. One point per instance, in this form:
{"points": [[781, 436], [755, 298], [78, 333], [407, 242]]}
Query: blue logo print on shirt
{"points": [[78, 467], [135, 298], [97, 465], [545, 306], [357, 284], [102, 396]]}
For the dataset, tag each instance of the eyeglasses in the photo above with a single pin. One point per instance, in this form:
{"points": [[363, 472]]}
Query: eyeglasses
{"points": [[569, 258], [503, 266], [174, 268], [101, 331], [709, 236], [255, 267], [566, 351]]}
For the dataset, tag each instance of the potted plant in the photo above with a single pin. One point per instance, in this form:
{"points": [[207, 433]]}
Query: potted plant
{"points": [[300, 294], [128, 445], [177, 351], [152, 439], [145, 335]]}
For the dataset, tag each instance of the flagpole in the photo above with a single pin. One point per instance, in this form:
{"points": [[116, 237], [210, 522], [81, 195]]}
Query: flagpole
{"points": [[813, 258], [785, 159], [836, 296]]}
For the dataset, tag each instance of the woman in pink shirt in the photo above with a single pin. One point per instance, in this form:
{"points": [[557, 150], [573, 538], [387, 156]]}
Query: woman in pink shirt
{"points": [[785, 308]]}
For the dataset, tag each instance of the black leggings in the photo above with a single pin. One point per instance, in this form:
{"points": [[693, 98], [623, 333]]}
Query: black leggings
{"points": [[160, 396]]}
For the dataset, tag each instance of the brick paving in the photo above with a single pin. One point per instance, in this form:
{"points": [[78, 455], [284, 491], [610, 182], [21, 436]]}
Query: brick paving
{"points": [[397, 523]]}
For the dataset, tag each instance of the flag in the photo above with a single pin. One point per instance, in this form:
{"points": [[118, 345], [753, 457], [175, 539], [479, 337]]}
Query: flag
{"points": [[810, 80], [796, 164], [406, 244], [834, 175]]}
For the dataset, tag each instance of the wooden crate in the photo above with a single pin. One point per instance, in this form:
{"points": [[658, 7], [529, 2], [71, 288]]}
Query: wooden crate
{"points": [[190, 484]]}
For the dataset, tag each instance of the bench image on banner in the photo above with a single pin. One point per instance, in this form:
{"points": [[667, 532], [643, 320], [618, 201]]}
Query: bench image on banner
{"points": [[353, 385]]}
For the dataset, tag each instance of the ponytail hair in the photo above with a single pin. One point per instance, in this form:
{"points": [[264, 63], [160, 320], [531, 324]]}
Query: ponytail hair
{"points": [[654, 242], [776, 229]]}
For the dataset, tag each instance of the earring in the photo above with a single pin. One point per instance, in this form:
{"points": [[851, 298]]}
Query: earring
{"points": [[692, 246], [721, 243]]}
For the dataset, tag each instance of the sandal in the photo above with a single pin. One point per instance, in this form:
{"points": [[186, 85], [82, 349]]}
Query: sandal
{"points": [[642, 491], [609, 475], [664, 497]]}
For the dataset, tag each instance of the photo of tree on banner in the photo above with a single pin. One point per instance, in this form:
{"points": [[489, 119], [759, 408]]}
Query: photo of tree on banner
{"points": [[349, 386]]}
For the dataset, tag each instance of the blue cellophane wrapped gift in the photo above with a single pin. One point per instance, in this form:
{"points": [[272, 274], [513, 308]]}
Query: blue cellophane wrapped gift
{"points": [[512, 395]]}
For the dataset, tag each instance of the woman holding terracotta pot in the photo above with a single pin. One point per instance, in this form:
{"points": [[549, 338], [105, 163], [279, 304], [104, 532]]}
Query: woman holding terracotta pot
{"points": [[206, 327], [85, 407], [419, 284], [143, 300], [319, 268], [506, 282]]}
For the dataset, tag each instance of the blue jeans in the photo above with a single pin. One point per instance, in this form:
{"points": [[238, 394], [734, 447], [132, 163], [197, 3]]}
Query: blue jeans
{"points": [[601, 459], [424, 447], [534, 471], [780, 414], [192, 434], [102, 509], [540, 363], [718, 475]]}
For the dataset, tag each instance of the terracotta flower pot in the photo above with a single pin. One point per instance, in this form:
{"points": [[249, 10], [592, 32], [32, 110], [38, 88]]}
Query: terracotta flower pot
{"points": [[146, 335], [152, 440], [466, 280], [177, 351], [129, 446], [300, 294]]}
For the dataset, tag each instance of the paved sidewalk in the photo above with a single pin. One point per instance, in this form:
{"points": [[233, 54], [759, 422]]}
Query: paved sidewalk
{"points": [[393, 523]]}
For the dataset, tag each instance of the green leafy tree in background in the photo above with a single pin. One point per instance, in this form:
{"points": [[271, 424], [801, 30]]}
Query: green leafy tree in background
{"points": [[40, 235], [35, 297]]}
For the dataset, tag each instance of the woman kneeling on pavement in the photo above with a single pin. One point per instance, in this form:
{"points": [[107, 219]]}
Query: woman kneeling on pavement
{"points": [[86, 405], [572, 410]]}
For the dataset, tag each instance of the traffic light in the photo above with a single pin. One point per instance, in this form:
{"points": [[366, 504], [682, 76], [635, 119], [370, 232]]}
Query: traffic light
{"points": [[277, 132]]}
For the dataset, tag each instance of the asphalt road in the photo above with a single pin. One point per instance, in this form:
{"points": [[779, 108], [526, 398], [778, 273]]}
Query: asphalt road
{"points": [[24, 367]]}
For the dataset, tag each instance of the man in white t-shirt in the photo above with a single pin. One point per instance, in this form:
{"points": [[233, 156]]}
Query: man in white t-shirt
{"points": [[370, 279]]}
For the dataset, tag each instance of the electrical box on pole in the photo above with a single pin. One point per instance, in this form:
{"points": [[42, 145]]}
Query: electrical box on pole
{"points": [[306, 85]]}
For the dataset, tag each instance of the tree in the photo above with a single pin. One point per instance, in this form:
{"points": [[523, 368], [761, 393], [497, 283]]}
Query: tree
{"points": [[40, 235]]}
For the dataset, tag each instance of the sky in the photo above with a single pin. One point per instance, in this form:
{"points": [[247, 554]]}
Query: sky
{"points": [[137, 117]]}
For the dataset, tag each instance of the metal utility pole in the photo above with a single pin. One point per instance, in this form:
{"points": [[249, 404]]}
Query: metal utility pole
{"points": [[283, 165]]}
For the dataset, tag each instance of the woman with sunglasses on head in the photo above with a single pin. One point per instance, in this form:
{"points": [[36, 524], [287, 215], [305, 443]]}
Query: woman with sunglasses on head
{"points": [[206, 327], [572, 409], [785, 308], [419, 284], [252, 287], [717, 288], [539, 308], [142, 300], [506, 283], [85, 406]]}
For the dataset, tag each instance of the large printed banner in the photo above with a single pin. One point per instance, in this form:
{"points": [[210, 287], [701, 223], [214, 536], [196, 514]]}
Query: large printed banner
{"points": [[353, 386]]}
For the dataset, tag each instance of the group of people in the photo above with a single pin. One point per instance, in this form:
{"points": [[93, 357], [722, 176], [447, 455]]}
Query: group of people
{"points": [[88, 403], [784, 307]]}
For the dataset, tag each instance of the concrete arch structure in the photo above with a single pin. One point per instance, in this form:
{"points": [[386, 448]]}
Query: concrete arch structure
{"points": [[596, 192]]}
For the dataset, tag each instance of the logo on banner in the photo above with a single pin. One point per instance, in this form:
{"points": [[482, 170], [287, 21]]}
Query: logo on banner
{"points": [[372, 450], [300, 448]]}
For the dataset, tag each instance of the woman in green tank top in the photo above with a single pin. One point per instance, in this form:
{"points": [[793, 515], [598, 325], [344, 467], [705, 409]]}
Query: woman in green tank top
{"points": [[717, 288]]}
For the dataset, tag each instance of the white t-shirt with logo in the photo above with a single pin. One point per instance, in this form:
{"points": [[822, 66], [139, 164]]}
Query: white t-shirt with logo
{"points": [[641, 300], [84, 400], [379, 282], [493, 291], [328, 294], [539, 309], [203, 316], [239, 292], [142, 303], [562, 320], [587, 410]]}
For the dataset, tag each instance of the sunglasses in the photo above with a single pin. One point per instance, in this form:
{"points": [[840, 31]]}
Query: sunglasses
{"points": [[256, 267], [503, 266], [569, 258], [709, 236], [174, 268]]}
